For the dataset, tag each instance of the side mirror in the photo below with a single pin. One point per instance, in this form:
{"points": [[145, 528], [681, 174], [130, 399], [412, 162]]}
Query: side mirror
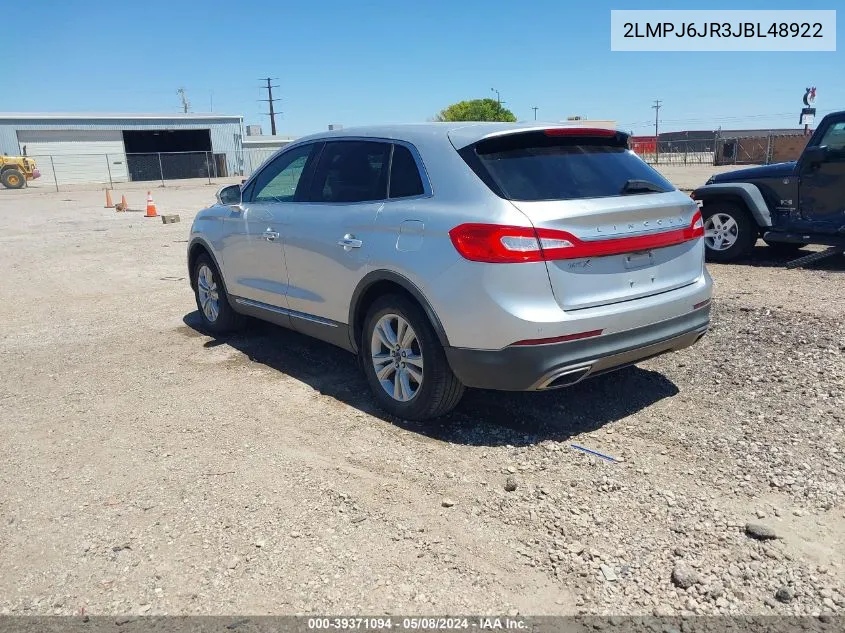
{"points": [[230, 196], [815, 155]]}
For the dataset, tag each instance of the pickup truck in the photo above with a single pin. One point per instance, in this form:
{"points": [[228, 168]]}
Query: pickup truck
{"points": [[788, 205]]}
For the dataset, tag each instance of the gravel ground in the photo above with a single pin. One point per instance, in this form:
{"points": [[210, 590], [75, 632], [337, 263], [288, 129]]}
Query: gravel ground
{"points": [[150, 469]]}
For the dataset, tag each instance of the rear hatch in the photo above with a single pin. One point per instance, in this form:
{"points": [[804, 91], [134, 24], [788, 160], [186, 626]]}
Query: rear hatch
{"points": [[610, 227]]}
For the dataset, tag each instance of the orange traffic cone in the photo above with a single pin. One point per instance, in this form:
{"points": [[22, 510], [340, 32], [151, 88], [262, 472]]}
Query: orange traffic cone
{"points": [[151, 207], [122, 205], [109, 203]]}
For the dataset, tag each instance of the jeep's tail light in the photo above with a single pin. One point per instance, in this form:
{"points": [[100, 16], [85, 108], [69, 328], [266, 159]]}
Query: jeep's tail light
{"points": [[498, 244], [700, 203]]}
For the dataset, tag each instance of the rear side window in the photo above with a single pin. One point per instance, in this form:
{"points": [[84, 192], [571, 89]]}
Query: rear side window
{"points": [[405, 180], [534, 166], [351, 171]]}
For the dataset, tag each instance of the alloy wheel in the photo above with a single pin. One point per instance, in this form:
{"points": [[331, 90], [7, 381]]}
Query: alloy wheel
{"points": [[720, 232], [397, 357], [208, 294]]}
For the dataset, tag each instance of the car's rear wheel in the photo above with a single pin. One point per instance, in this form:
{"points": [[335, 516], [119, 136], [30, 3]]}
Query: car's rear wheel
{"points": [[13, 179], [784, 248], [217, 315], [729, 232], [404, 362]]}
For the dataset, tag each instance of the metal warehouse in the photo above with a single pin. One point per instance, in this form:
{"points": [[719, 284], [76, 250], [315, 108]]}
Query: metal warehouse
{"points": [[112, 148]]}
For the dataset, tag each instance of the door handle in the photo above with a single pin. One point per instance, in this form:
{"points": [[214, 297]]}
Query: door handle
{"points": [[348, 242], [271, 236]]}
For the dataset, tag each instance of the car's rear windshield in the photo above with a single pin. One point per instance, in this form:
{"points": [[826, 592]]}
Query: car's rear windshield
{"points": [[535, 166]]}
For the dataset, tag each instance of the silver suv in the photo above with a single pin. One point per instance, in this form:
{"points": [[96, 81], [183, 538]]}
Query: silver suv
{"points": [[452, 255]]}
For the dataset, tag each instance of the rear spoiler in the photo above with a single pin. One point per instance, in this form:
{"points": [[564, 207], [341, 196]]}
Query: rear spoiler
{"points": [[469, 135]]}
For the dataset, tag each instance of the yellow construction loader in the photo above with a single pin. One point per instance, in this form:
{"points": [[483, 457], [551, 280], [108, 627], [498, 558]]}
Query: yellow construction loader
{"points": [[15, 171]]}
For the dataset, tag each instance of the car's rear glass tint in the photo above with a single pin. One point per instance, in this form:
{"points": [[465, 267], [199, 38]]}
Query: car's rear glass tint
{"points": [[534, 166]]}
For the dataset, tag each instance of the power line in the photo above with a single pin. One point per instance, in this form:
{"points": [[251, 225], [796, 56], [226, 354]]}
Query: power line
{"points": [[271, 100]]}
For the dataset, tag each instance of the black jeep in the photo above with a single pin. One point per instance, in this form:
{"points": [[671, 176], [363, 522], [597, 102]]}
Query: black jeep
{"points": [[789, 204]]}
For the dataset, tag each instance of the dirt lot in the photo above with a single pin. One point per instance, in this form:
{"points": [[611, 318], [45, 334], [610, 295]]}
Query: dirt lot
{"points": [[151, 469]]}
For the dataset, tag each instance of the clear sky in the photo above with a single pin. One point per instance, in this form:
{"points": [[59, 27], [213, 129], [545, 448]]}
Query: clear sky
{"points": [[364, 62]]}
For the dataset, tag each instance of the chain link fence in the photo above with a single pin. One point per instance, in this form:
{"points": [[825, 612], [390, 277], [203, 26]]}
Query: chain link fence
{"points": [[59, 170], [752, 149], [696, 151], [759, 150]]}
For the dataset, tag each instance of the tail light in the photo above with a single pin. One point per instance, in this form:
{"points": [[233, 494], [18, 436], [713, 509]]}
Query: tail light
{"points": [[497, 244], [696, 227]]}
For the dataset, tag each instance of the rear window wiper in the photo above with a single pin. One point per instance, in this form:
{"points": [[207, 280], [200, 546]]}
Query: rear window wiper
{"points": [[641, 186]]}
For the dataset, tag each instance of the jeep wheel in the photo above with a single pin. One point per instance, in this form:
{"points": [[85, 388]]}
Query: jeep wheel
{"points": [[13, 179], [729, 232], [217, 315], [404, 362]]}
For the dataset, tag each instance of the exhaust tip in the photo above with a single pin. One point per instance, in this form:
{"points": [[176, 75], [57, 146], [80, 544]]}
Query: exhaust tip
{"points": [[566, 378]]}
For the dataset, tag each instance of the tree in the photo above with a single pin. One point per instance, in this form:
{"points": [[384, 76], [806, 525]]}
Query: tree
{"points": [[476, 110]]}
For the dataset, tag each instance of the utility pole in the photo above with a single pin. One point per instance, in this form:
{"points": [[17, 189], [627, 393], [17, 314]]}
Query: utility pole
{"points": [[499, 101], [270, 100], [535, 112], [657, 105], [185, 103]]}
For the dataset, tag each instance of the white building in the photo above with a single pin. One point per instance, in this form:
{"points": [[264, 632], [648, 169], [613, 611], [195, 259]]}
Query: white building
{"points": [[112, 147]]}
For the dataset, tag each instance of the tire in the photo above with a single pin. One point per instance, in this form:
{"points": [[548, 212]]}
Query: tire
{"points": [[729, 232], [430, 388], [13, 179], [784, 248], [217, 315]]}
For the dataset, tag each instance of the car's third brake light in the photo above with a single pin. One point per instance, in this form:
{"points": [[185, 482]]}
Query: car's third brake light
{"points": [[497, 244], [579, 131]]}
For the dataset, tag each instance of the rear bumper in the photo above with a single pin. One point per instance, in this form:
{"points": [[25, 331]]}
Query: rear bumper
{"points": [[531, 368]]}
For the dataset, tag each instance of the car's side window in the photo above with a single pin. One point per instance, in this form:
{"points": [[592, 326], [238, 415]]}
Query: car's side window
{"points": [[351, 171], [280, 180], [405, 180], [834, 138]]}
